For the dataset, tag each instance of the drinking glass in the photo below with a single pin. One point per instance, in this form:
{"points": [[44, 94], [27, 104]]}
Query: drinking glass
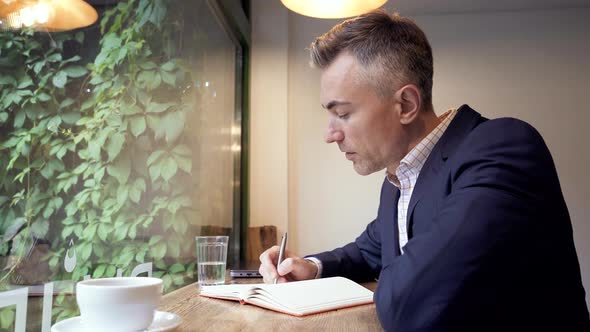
{"points": [[211, 259]]}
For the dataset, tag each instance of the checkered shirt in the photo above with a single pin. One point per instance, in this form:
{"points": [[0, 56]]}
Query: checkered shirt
{"points": [[408, 171]]}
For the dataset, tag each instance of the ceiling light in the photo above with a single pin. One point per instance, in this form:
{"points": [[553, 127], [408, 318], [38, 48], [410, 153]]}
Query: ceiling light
{"points": [[332, 8], [46, 15]]}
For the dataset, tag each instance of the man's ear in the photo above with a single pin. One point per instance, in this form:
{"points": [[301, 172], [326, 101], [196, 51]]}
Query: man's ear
{"points": [[410, 103]]}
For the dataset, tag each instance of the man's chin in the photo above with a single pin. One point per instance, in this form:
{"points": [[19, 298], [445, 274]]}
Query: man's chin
{"points": [[363, 170]]}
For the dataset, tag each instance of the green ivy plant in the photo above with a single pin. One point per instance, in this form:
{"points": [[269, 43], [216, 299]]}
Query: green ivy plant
{"points": [[99, 153]]}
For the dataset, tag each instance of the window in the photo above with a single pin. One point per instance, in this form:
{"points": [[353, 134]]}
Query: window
{"points": [[119, 143]]}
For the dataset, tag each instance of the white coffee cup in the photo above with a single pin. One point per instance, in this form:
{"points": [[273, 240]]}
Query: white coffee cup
{"points": [[118, 304]]}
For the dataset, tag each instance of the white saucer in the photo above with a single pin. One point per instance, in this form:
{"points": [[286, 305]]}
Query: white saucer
{"points": [[163, 321]]}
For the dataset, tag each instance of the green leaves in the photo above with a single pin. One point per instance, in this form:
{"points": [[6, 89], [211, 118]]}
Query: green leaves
{"points": [[120, 169], [65, 103], [51, 167], [90, 231], [111, 41], [53, 125], [158, 12], [158, 107], [158, 251], [43, 97], [25, 82], [55, 57], [147, 65], [154, 157], [66, 181], [122, 194], [40, 228], [168, 78], [75, 71], [168, 127], [137, 125], [173, 125], [182, 150], [70, 117], [60, 79], [99, 271], [126, 256], [176, 268], [19, 119], [154, 239], [104, 230], [7, 80], [38, 66], [168, 168], [149, 79], [114, 145], [84, 251], [7, 315], [136, 189], [166, 164], [97, 153], [168, 66], [152, 75], [120, 231], [112, 52], [52, 206]]}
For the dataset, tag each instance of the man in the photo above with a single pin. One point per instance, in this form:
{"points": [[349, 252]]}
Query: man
{"points": [[472, 231]]}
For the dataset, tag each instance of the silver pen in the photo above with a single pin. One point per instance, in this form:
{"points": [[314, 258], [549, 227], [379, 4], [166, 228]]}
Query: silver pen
{"points": [[281, 253]]}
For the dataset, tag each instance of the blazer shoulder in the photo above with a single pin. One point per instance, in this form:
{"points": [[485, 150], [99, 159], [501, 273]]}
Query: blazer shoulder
{"points": [[503, 133], [508, 126], [506, 151]]}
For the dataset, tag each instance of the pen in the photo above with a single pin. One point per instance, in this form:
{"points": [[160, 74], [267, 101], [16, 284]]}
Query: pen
{"points": [[281, 253]]}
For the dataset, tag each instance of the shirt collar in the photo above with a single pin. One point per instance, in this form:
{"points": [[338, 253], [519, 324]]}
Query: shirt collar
{"points": [[416, 158]]}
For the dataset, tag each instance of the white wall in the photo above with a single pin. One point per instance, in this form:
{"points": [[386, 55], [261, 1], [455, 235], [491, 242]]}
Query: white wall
{"points": [[268, 118], [532, 65]]}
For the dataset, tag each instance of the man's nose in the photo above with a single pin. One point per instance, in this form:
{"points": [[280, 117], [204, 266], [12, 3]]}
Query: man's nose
{"points": [[332, 135]]}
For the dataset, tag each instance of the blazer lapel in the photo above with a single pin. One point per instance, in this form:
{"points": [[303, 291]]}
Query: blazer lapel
{"points": [[428, 174], [461, 125], [389, 232]]}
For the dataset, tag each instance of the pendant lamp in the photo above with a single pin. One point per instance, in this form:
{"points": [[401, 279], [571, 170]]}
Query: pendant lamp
{"points": [[332, 8], [46, 15]]}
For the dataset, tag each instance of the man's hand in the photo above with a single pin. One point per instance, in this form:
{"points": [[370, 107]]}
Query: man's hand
{"points": [[292, 268]]}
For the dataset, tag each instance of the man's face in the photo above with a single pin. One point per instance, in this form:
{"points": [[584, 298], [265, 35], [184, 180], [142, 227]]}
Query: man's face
{"points": [[366, 126]]}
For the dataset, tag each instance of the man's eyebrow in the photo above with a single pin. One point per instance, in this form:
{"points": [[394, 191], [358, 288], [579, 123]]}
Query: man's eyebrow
{"points": [[333, 103]]}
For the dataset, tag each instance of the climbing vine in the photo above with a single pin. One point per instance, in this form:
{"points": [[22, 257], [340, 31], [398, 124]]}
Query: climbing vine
{"points": [[96, 151]]}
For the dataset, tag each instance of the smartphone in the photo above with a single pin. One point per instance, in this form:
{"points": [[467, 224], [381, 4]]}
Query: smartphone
{"points": [[244, 274], [245, 270]]}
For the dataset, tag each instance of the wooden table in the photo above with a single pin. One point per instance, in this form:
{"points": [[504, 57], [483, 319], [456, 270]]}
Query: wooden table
{"points": [[205, 314]]}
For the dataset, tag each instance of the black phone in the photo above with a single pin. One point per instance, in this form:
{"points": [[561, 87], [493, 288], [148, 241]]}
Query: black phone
{"points": [[244, 274], [245, 270]]}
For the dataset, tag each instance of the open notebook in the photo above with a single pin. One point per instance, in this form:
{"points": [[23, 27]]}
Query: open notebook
{"points": [[298, 298]]}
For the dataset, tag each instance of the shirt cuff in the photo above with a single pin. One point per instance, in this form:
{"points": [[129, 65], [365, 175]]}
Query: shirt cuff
{"points": [[318, 263]]}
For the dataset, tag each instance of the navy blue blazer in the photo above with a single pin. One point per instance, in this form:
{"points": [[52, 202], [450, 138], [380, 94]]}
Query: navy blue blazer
{"points": [[490, 239]]}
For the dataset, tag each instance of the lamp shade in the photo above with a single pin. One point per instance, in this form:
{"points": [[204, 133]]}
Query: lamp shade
{"points": [[332, 8], [47, 15]]}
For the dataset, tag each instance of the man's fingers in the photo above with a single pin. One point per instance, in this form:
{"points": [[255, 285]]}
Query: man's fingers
{"points": [[267, 268], [268, 279], [297, 269], [268, 272], [269, 255], [292, 268], [286, 266], [271, 280]]}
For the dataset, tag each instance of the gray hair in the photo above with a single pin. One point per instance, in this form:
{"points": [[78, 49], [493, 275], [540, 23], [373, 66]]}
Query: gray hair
{"points": [[391, 49]]}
